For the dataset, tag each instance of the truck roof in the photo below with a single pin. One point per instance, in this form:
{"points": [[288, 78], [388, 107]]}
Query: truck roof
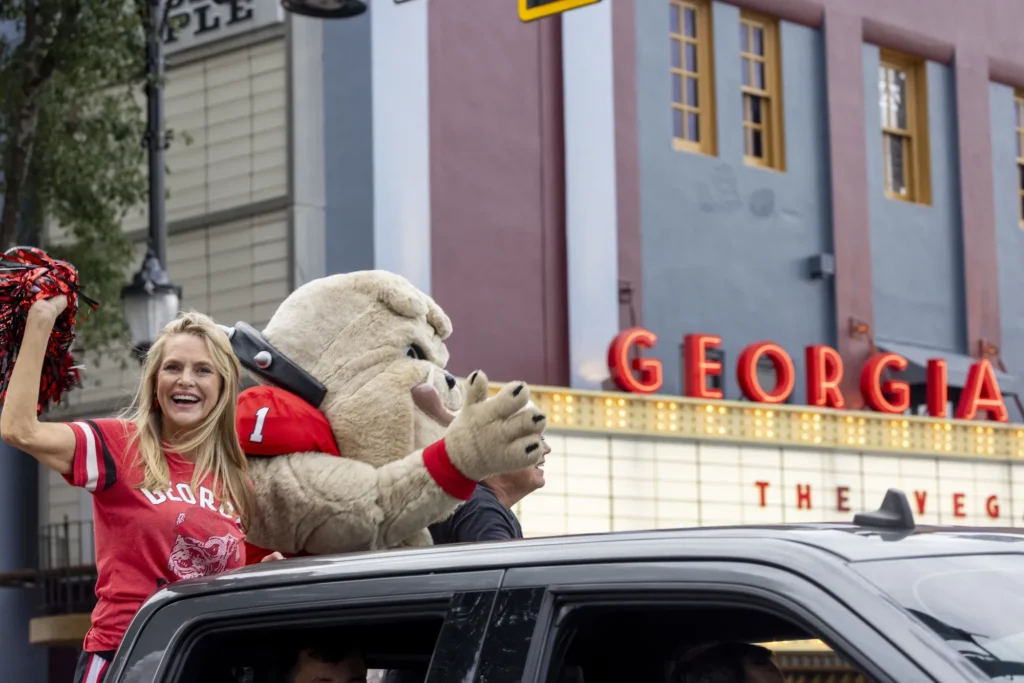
{"points": [[788, 543]]}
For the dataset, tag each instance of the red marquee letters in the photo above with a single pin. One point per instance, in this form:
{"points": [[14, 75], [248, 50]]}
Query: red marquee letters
{"points": [[824, 372], [981, 392], [785, 373], [698, 367], [888, 397], [824, 368], [842, 498], [804, 500], [649, 368], [921, 497]]}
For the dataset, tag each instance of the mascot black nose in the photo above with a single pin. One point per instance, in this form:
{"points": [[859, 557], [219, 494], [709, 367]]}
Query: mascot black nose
{"points": [[451, 380]]}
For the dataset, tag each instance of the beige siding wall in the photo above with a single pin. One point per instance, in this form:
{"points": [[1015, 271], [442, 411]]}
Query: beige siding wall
{"points": [[234, 107]]}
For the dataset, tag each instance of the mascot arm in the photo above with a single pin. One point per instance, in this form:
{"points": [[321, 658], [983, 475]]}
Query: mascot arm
{"points": [[489, 436], [418, 490]]}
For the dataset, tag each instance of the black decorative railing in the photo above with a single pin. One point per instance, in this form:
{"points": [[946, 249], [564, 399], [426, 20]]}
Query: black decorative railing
{"points": [[66, 577]]}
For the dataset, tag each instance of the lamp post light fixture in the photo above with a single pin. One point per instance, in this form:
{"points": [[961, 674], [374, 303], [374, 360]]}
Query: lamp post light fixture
{"points": [[325, 9], [151, 301]]}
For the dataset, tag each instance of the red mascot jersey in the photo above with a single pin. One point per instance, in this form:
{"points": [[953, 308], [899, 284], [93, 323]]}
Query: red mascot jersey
{"points": [[271, 421]]}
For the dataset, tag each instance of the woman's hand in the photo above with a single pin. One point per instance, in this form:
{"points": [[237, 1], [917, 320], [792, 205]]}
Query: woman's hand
{"points": [[273, 556], [50, 308]]}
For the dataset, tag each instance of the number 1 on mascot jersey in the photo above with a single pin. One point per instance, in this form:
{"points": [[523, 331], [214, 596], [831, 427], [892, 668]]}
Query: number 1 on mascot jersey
{"points": [[257, 431]]}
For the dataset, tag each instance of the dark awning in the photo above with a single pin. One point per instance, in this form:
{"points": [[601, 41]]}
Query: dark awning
{"points": [[957, 365]]}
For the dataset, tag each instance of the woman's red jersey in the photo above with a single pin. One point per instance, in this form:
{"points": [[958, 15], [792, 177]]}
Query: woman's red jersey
{"points": [[146, 539]]}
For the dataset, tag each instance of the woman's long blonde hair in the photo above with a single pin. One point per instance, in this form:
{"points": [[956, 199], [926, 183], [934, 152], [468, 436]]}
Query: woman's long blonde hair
{"points": [[214, 442]]}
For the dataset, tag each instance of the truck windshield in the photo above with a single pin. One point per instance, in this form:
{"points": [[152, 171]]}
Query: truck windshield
{"points": [[975, 603]]}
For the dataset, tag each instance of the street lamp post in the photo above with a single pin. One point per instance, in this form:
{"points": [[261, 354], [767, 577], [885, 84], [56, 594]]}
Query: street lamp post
{"points": [[151, 300], [155, 139]]}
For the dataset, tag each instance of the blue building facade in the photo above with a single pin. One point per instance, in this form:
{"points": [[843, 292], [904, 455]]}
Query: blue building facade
{"points": [[727, 245], [888, 219]]}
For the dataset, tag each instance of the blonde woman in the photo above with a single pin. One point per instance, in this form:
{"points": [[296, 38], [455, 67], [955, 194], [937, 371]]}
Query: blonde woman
{"points": [[171, 495]]}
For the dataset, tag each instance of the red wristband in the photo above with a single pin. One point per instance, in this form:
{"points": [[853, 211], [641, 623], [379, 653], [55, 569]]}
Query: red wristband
{"points": [[445, 474]]}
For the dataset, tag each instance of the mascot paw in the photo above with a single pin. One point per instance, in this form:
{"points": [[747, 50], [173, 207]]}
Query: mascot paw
{"points": [[498, 434]]}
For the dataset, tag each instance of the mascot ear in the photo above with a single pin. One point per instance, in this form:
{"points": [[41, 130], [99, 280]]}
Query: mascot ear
{"points": [[403, 301], [410, 303], [260, 357], [439, 320]]}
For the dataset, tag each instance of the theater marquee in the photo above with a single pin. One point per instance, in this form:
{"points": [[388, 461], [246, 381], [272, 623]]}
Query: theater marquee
{"points": [[639, 461], [597, 483]]}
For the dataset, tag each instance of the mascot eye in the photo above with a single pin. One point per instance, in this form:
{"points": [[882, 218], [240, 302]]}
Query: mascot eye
{"points": [[416, 352]]}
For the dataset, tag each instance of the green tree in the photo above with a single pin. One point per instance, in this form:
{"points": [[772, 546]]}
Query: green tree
{"points": [[71, 139]]}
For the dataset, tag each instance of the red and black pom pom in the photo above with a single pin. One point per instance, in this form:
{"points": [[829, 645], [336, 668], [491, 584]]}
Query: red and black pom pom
{"points": [[27, 275]]}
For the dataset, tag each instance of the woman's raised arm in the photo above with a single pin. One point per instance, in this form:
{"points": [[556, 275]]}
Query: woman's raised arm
{"points": [[51, 443]]}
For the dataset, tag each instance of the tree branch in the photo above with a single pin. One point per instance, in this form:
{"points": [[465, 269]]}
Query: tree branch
{"points": [[62, 36], [69, 134], [39, 67]]}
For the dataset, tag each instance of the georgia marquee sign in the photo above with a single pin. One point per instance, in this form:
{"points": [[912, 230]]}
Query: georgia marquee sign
{"points": [[191, 23], [980, 394]]}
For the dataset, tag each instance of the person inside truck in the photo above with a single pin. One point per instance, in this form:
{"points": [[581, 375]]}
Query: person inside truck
{"points": [[488, 515], [168, 480], [325, 662], [725, 662]]}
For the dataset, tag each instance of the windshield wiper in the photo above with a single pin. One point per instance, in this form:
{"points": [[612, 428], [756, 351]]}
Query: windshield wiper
{"points": [[987, 662], [995, 668], [945, 631]]}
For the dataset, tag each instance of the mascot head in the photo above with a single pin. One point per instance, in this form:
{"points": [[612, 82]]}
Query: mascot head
{"points": [[376, 343]]}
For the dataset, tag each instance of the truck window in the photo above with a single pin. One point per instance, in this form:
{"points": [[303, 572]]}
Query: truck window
{"points": [[678, 644], [274, 654], [391, 639], [414, 625]]}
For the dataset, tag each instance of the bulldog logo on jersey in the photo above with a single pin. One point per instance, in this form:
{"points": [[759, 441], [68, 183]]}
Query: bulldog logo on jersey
{"points": [[198, 552]]}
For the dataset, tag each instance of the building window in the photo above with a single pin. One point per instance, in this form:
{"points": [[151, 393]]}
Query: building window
{"points": [[903, 98], [693, 112], [762, 91], [1018, 106]]}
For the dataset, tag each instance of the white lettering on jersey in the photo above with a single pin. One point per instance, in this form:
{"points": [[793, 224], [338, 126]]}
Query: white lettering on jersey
{"points": [[154, 498], [205, 499], [226, 510], [185, 491]]}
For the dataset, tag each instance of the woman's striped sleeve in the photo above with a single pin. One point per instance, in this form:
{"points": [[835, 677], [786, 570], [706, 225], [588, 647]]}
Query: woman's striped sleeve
{"points": [[94, 467]]}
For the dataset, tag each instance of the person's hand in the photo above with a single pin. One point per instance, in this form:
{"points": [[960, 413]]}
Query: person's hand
{"points": [[50, 308], [273, 556]]}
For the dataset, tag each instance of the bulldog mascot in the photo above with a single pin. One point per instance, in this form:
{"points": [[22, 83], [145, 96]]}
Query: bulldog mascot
{"points": [[357, 437]]}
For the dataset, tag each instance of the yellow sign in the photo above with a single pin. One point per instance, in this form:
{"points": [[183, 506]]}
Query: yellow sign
{"points": [[537, 9]]}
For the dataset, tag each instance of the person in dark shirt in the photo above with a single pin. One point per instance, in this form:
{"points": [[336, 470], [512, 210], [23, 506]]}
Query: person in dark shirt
{"points": [[487, 515]]}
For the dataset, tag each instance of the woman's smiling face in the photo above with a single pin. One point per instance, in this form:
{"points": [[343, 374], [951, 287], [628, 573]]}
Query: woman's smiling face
{"points": [[187, 384]]}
